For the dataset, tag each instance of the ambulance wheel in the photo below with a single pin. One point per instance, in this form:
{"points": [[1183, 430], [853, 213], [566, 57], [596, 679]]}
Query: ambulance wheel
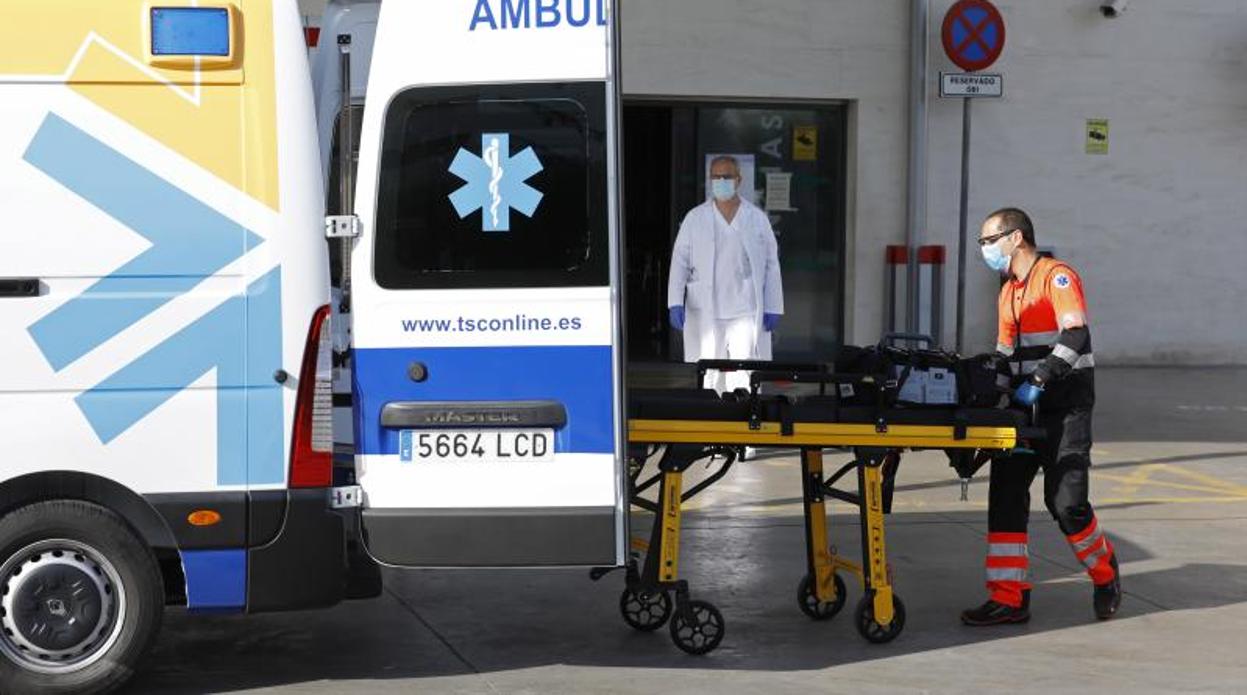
{"points": [[820, 610], [81, 599], [645, 610], [871, 630], [703, 634]]}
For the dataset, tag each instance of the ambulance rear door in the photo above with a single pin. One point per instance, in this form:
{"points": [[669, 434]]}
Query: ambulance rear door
{"points": [[486, 330]]}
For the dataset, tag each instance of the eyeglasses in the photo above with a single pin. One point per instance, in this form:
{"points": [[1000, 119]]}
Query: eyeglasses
{"points": [[989, 240]]}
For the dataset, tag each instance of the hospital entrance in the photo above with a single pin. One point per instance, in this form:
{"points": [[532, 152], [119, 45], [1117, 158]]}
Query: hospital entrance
{"points": [[792, 166]]}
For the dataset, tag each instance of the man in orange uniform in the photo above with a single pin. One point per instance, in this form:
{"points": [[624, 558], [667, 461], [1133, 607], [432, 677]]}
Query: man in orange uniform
{"points": [[1043, 332]]}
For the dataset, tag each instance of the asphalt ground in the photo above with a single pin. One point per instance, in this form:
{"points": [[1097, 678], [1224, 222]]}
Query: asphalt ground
{"points": [[1169, 484]]}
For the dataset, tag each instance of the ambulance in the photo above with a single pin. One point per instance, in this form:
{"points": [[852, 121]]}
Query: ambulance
{"points": [[164, 352], [165, 343], [482, 250]]}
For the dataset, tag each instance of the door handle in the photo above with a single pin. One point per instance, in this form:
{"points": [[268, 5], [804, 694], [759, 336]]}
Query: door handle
{"points": [[20, 287], [473, 414]]}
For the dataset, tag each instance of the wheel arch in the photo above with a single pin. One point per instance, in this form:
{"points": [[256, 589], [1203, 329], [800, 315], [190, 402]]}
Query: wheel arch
{"points": [[137, 513]]}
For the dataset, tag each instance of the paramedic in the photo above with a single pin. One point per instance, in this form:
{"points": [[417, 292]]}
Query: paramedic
{"points": [[724, 290], [1044, 334]]}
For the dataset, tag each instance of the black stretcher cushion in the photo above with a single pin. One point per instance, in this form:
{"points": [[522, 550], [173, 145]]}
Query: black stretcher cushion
{"points": [[704, 404], [684, 404], [825, 409]]}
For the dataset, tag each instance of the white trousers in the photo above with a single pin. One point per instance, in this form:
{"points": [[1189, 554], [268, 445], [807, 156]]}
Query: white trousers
{"points": [[708, 338]]}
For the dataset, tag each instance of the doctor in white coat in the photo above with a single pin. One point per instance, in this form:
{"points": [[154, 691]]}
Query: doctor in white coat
{"points": [[724, 290]]}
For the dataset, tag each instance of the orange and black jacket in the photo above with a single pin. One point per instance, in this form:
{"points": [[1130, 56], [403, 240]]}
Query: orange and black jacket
{"points": [[1043, 326]]}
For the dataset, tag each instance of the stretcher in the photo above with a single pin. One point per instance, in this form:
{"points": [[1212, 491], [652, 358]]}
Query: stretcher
{"points": [[677, 428]]}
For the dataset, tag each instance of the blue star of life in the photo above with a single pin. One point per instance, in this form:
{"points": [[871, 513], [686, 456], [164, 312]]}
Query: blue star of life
{"points": [[495, 182]]}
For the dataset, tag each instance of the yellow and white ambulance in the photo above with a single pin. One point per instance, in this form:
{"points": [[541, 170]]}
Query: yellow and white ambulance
{"points": [[164, 402]]}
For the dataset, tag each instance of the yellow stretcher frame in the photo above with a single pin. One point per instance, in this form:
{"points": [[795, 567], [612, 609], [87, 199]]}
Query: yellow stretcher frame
{"points": [[736, 433], [880, 615]]}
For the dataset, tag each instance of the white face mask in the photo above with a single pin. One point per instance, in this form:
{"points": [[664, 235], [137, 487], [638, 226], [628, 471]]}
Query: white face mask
{"points": [[723, 189]]}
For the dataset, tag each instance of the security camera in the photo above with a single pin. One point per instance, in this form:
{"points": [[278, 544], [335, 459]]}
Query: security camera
{"points": [[1113, 9]]}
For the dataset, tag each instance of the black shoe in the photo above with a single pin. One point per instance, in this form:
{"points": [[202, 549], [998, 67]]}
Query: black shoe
{"points": [[992, 613], [1107, 597]]}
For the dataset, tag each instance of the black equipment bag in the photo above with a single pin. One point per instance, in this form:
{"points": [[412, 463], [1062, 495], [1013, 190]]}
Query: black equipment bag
{"points": [[920, 377]]}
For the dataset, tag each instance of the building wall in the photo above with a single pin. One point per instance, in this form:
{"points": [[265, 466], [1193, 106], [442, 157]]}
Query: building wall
{"points": [[1157, 227], [794, 50]]}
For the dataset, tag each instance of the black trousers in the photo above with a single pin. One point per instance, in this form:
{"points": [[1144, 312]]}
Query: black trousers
{"points": [[1065, 457]]}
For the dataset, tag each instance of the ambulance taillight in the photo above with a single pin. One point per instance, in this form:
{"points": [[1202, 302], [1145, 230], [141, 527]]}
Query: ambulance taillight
{"points": [[311, 464]]}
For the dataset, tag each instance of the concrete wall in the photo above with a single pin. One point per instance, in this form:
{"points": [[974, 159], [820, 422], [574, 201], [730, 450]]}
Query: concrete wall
{"points": [[1158, 227], [792, 50]]}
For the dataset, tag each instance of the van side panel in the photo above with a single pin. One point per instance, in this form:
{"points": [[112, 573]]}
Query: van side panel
{"points": [[174, 236]]}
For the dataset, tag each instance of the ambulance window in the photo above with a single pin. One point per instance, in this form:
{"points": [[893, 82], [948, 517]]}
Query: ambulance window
{"points": [[500, 186]]}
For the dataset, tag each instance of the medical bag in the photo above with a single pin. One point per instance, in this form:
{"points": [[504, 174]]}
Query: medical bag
{"points": [[920, 376]]}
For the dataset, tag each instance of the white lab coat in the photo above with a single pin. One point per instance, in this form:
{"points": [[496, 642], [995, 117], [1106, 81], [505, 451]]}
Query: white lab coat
{"points": [[690, 283]]}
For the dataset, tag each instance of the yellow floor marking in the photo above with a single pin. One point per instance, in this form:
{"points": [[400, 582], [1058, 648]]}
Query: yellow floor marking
{"points": [[1168, 500], [1211, 484], [1206, 478], [1162, 483], [1135, 480]]}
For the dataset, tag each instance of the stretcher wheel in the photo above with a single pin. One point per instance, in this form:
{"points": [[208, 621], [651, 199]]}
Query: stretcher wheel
{"points": [[820, 610], [873, 631], [703, 634], [645, 610]]}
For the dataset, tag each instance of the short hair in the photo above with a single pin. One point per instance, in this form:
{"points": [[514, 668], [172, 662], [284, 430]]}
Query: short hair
{"points": [[1009, 219], [726, 158]]}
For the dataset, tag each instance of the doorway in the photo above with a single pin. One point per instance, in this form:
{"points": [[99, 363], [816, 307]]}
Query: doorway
{"points": [[797, 157]]}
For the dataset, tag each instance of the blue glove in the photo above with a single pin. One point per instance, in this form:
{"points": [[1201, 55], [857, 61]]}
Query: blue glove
{"points": [[769, 322], [676, 316], [1028, 393]]}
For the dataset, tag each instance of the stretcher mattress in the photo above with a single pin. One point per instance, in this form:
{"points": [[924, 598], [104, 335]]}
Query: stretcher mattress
{"points": [[706, 405]]}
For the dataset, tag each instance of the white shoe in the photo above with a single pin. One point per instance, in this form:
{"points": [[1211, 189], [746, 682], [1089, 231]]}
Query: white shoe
{"points": [[751, 453]]}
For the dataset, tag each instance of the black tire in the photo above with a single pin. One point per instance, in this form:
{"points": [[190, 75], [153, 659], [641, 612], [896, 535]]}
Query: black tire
{"points": [[703, 634], [645, 611], [820, 610], [871, 630], [116, 616]]}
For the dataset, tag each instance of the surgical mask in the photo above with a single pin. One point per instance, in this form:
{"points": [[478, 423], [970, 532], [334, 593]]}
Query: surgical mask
{"points": [[723, 189], [995, 258]]}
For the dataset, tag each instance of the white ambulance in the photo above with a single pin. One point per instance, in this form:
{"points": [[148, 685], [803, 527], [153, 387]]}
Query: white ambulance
{"points": [[164, 422], [484, 262]]}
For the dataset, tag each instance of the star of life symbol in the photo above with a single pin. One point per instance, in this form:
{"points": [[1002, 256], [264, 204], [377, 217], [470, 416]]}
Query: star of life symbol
{"points": [[495, 182], [1061, 280]]}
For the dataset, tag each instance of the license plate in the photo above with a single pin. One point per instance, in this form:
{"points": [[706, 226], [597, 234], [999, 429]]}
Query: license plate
{"points": [[469, 446]]}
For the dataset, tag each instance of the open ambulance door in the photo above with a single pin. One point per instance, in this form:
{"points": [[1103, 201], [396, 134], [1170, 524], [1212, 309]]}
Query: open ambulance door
{"points": [[485, 288]]}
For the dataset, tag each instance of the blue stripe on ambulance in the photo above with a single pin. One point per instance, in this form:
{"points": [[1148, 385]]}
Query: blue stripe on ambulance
{"points": [[216, 580], [579, 377], [241, 339], [189, 240]]}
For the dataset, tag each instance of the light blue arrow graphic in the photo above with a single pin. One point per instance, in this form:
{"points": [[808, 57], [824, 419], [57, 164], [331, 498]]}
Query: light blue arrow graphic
{"points": [[242, 339], [495, 182], [189, 240]]}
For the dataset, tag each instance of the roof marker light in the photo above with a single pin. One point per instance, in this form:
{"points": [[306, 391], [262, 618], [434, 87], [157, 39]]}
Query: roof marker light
{"points": [[190, 31]]}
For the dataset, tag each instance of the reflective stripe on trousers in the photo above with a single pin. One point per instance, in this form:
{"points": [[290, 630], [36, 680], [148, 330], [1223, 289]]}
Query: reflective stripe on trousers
{"points": [[1094, 551], [1007, 567]]}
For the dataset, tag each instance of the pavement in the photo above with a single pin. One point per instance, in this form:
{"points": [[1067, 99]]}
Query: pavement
{"points": [[1169, 484]]}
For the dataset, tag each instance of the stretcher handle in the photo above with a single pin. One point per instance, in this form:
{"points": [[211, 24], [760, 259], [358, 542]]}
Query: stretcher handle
{"points": [[735, 365], [1032, 433], [808, 377]]}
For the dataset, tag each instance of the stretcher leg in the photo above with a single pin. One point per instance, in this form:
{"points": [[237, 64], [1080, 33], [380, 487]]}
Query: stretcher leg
{"points": [[697, 627], [668, 527], [880, 614], [821, 593]]}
